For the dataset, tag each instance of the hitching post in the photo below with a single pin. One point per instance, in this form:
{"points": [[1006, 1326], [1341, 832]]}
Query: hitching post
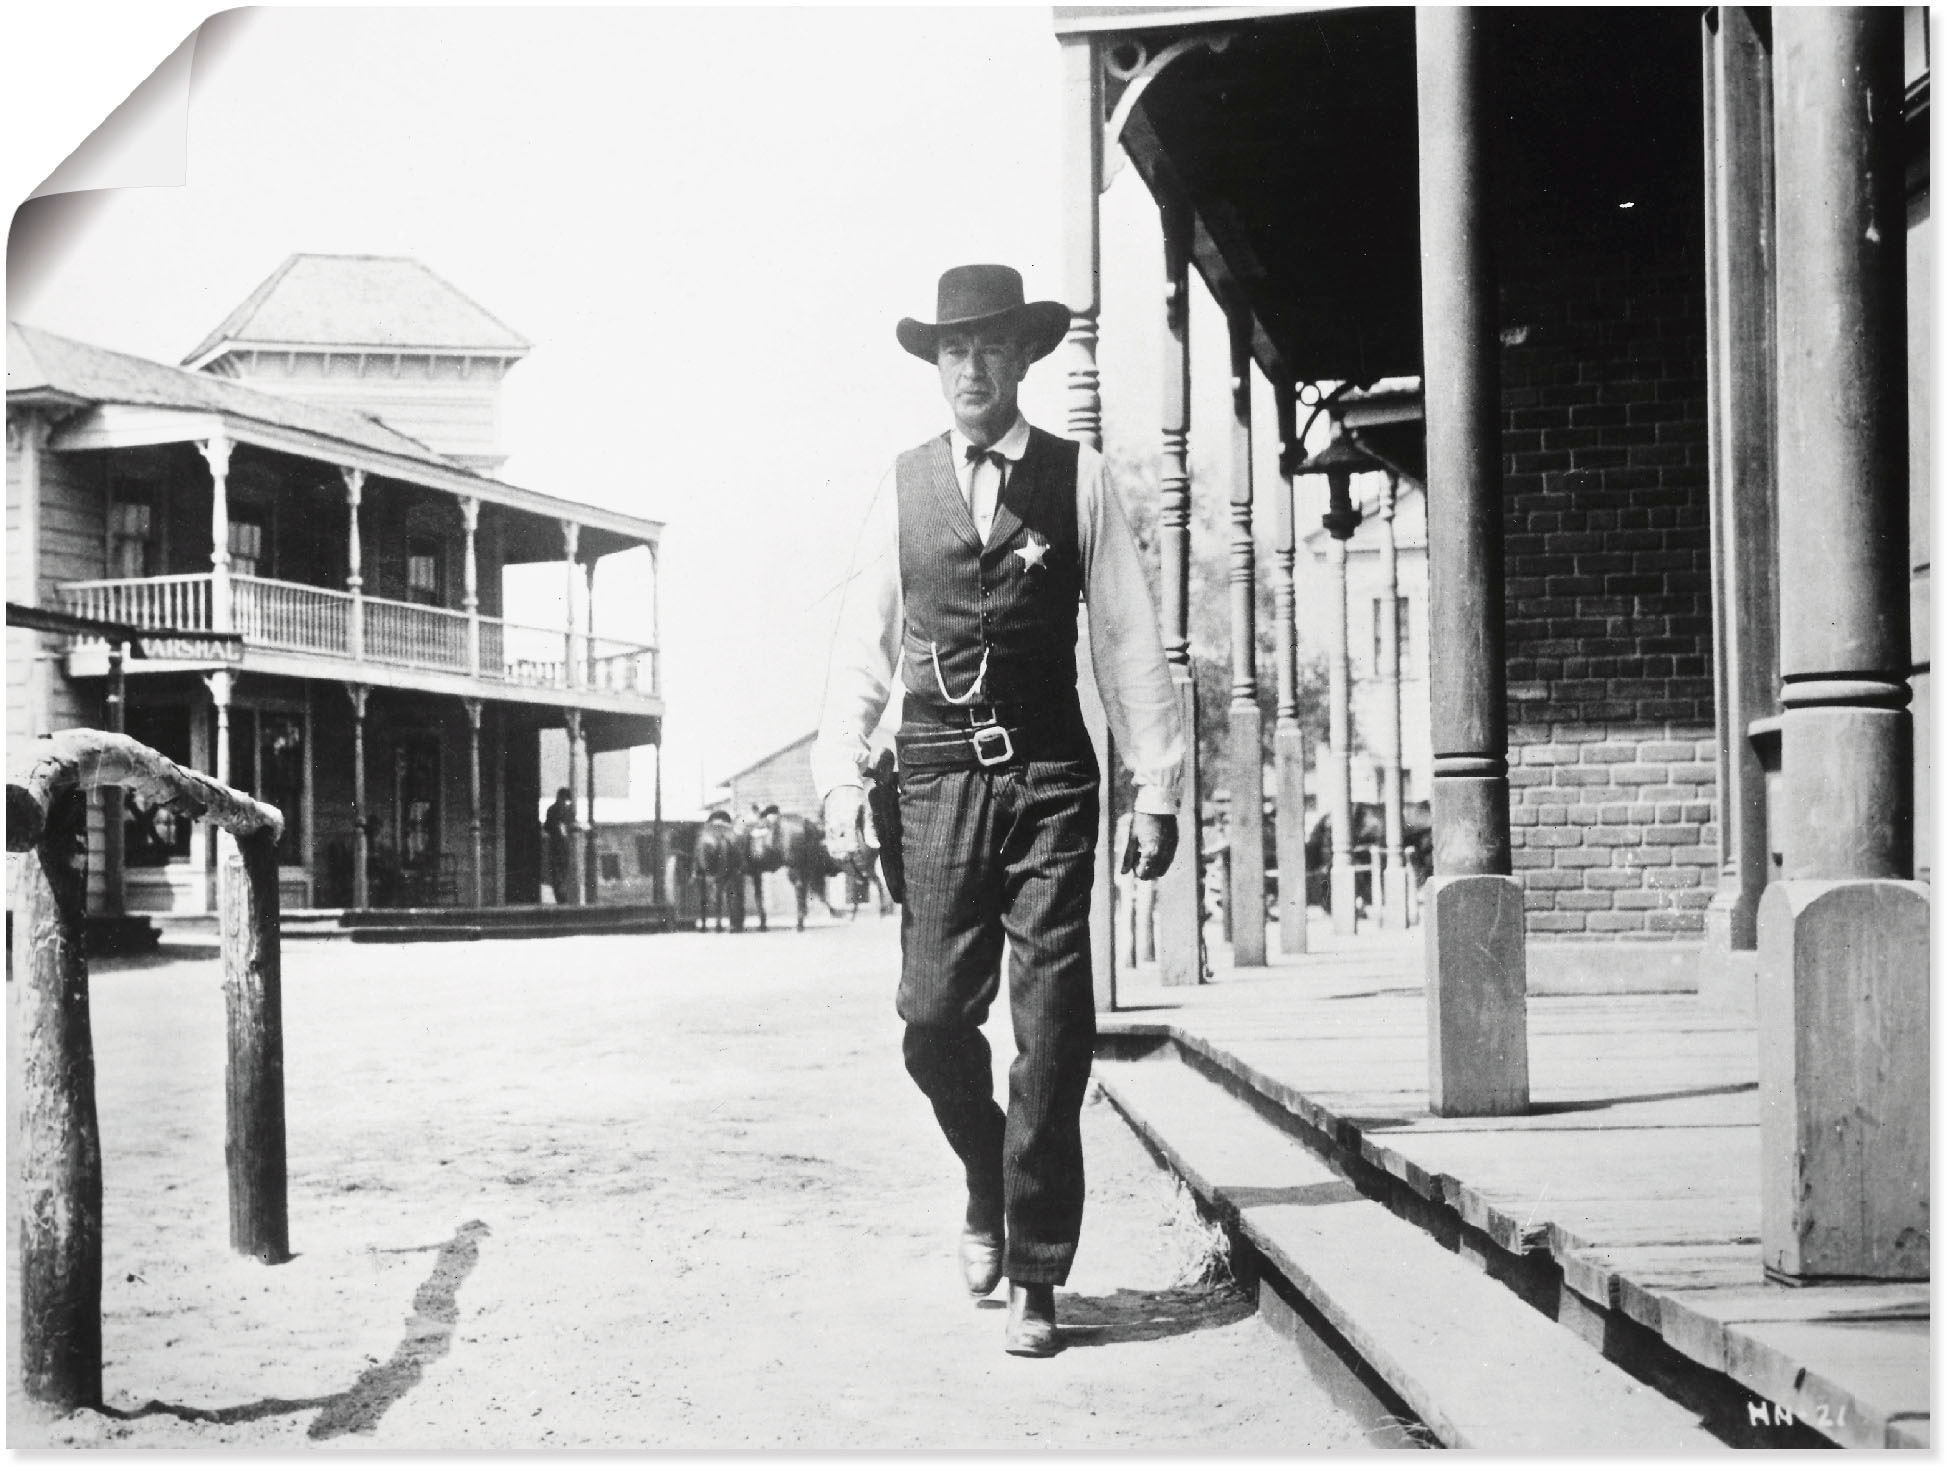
{"points": [[57, 1143]]}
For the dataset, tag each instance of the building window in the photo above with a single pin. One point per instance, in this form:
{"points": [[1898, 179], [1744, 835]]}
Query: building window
{"points": [[131, 539], [645, 854], [1405, 634], [154, 836], [246, 545], [423, 571]]}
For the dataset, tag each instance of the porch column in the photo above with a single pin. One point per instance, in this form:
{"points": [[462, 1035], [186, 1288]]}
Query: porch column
{"points": [[570, 538], [1842, 939], [1081, 184], [1341, 520], [1476, 956], [354, 564], [1738, 294], [473, 810], [656, 894], [595, 676], [361, 828], [216, 453], [1246, 719], [113, 834], [221, 684], [577, 857], [1289, 737], [1179, 892], [1392, 895], [470, 603], [656, 636]]}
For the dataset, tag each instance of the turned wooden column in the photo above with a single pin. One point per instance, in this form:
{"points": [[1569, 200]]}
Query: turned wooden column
{"points": [[114, 837], [577, 854], [1843, 953], [1391, 897], [361, 818], [1179, 892], [470, 515], [1246, 719], [571, 621], [216, 453], [475, 820], [1289, 736], [656, 893], [1476, 957], [1739, 307], [1340, 521], [354, 564], [221, 684], [1081, 185]]}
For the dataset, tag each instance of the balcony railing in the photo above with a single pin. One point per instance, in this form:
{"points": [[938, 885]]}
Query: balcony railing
{"points": [[293, 617]]}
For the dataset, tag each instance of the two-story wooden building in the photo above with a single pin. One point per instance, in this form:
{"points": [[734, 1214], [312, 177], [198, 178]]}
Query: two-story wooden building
{"points": [[315, 491]]}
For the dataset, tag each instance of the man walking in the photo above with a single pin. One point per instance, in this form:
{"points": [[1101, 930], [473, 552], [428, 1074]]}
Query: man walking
{"points": [[973, 558]]}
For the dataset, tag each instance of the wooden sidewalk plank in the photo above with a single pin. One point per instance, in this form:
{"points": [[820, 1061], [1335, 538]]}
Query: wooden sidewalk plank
{"points": [[1696, 1322], [1845, 1379]]}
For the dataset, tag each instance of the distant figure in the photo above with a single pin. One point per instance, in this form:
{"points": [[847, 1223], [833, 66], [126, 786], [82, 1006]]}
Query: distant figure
{"points": [[556, 833]]}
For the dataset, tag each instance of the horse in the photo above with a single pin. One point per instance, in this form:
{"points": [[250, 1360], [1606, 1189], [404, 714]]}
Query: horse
{"points": [[796, 844], [1369, 831], [721, 859]]}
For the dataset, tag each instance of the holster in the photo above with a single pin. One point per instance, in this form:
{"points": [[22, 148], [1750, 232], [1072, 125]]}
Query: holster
{"points": [[882, 797]]}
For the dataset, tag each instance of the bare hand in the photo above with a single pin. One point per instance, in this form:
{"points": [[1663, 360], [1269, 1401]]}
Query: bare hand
{"points": [[843, 810], [1152, 843]]}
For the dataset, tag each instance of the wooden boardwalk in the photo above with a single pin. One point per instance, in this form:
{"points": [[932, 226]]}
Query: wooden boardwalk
{"points": [[1637, 1167]]}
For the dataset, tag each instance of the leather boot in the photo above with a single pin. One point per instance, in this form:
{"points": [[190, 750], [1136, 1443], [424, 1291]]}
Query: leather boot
{"points": [[1031, 1319]]}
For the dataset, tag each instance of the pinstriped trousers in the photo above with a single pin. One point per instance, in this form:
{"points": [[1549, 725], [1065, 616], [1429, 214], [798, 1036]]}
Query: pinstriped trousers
{"points": [[991, 853]]}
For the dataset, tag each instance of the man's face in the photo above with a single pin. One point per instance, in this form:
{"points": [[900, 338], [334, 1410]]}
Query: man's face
{"points": [[980, 374]]}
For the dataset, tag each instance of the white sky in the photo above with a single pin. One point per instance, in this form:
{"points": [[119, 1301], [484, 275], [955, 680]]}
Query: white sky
{"points": [[707, 222]]}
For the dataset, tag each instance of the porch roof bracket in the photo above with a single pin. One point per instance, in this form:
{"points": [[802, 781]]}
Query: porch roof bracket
{"points": [[1133, 75]]}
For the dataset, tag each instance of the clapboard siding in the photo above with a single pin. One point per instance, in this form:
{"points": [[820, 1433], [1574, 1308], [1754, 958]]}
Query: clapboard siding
{"points": [[73, 527]]}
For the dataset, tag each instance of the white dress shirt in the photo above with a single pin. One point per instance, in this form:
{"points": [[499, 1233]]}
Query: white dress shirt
{"points": [[1124, 644]]}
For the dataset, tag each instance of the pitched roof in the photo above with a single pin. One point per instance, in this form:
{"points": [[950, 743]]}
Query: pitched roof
{"points": [[371, 302], [43, 362]]}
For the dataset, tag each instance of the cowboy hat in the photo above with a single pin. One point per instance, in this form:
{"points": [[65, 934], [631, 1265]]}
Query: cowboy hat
{"points": [[986, 296]]}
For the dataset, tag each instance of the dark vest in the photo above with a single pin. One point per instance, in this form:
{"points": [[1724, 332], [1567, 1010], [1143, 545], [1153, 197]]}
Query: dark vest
{"points": [[965, 600]]}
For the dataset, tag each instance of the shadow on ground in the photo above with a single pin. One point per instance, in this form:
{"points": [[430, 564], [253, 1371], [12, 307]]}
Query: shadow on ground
{"points": [[357, 1410], [1145, 1316]]}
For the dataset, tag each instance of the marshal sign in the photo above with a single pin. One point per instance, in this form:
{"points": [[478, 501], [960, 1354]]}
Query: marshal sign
{"points": [[190, 648]]}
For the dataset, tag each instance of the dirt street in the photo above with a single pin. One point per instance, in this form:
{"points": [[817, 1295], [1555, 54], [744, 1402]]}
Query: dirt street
{"points": [[668, 1192]]}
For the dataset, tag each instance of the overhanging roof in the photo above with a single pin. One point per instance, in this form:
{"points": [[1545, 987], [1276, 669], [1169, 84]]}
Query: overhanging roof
{"points": [[115, 400]]}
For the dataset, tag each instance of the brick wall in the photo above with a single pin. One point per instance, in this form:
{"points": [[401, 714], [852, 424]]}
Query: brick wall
{"points": [[1610, 702]]}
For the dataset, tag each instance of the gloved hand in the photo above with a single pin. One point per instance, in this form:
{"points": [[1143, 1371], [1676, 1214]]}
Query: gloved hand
{"points": [[1152, 843], [843, 812]]}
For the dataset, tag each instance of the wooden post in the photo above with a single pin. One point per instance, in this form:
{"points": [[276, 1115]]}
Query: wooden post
{"points": [[470, 514], [656, 892], [577, 857], [221, 685], [1476, 956], [113, 834], [570, 537], [1293, 911], [1389, 884], [1738, 288], [216, 452], [57, 1147], [254, 1086], [591, 875], [474, 818], [1843, 954], [1179, 892], [354, 563], [1246, 719], [1341, 520], [1081, 185], [56, 1143], [361, 825]]}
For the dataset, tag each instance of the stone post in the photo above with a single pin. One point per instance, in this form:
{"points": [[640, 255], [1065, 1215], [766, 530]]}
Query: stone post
{"points": [[1476, 958], [1843, 991], [1289, 738], [1246, 719]]}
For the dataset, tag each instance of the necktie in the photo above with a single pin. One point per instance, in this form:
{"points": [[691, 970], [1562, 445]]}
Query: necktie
{"points": [[981, 498], [975, 454]]}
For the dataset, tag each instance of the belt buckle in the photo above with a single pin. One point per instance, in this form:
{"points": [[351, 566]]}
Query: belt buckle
{"points": [[980, 748]]}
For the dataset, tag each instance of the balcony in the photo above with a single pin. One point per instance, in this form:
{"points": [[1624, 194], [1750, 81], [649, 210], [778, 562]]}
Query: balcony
{"points": [[293, 618]]}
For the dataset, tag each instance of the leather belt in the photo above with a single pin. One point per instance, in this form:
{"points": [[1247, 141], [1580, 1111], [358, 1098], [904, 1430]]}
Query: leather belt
{"points": [[991, 746]]}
